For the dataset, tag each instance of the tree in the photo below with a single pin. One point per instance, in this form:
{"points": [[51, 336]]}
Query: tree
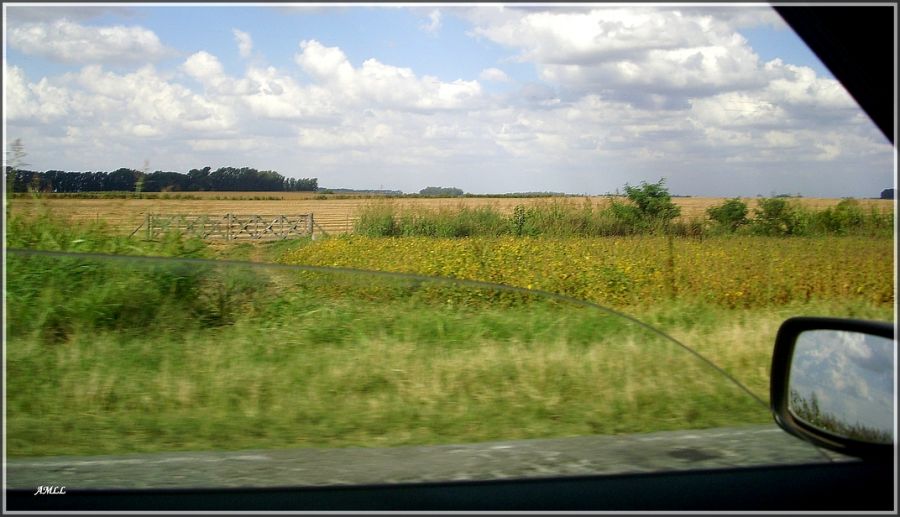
{"points": [[121, 180], [653, 201], [732, 214], [775, 216], [199, 178], [222, 179], [14, 162], [441, 191]]}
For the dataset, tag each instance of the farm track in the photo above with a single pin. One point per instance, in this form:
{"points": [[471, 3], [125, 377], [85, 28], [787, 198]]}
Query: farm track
{"points": [[332, 216]]}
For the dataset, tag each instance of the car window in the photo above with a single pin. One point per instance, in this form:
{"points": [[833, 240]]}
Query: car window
{"points": [[328, 245], [321, 375]]}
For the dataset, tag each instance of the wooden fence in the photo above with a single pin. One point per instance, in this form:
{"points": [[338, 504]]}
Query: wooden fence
{"points": [[230, 226]]}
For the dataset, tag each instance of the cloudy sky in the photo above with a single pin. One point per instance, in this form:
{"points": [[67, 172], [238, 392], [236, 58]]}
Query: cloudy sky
{"points": [[720, 100], [851, 374]]}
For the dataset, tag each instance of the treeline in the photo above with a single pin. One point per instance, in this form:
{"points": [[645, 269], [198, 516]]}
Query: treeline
{"points": [[223, 179], [441, 192]]}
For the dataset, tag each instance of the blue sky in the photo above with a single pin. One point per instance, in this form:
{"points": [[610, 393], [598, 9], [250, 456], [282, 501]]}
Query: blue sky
{"points": [[719, 99], [783, 44]]}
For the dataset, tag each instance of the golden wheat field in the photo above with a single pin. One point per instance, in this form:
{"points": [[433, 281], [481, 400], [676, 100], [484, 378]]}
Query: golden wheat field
{"points": [[333, 214]]}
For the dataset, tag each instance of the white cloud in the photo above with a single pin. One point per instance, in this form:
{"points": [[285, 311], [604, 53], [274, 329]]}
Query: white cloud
{"points": [[345, 137], [780, 139], [705, 88], [41, 101], [493, 74], [244, 42], [629, 51], [68, 42], [272, 95], [146, 101], [220, 145], [434, 22], [324, 63], [799, 86], [20, 103], [739, 17], [383, 85], [204, 67]]}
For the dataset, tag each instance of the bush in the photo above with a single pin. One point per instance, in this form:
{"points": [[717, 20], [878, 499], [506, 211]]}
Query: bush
{"points": [[730, 215], [842, 219], [775, 216], [624, 219], [653, 201]]}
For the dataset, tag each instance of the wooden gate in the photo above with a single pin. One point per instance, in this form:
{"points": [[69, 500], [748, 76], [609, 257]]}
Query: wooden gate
{"points": [[230, 226]]}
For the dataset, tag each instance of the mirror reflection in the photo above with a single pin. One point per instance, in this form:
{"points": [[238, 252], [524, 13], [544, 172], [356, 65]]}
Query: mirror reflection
{"points": [[842, 382]]}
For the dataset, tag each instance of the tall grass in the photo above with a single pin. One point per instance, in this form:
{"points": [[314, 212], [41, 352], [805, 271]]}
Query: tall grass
{"points": [[569, 218], [52, 299], [339, 368]]}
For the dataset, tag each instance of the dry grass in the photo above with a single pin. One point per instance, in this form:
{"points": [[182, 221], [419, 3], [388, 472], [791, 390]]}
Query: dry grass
{"points": [[332, 215]]}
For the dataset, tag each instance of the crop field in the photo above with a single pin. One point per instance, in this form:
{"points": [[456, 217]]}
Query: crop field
{"points": [[731, 271], [333, 214]]}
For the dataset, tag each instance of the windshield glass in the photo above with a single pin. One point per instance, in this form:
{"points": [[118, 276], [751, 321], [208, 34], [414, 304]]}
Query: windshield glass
{"points": [[319, 245]]}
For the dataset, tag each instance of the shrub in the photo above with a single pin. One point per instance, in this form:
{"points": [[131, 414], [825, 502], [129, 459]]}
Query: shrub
{"points": [[842, 219], [653, 201], [775, 216], [731, 215], [518, 220]]}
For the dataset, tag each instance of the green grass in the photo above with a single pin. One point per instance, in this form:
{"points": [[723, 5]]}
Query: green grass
{"points": [[341, 371]]}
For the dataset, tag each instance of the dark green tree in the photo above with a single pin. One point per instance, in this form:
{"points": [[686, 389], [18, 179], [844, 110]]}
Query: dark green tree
{"points": [[653, 201], [441, 191], [732, 214], [776, 216]]}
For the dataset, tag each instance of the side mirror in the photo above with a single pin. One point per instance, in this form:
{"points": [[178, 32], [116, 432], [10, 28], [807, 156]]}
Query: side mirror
{"points": [[832, 383]]}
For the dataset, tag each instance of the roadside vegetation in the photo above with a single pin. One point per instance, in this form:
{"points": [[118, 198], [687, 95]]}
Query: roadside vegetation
{"points": [[108, 356], [647, 209]]}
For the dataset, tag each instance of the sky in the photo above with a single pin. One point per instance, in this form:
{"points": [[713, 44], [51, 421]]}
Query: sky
{"points": [[851, 374], [718, 99]]}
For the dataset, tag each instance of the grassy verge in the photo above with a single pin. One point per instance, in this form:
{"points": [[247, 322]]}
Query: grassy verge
{"points": [[342, 371]]}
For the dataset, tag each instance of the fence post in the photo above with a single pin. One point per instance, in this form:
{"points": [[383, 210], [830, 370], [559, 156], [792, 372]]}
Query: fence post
{"points": [[148, 219], [228, 226], [309, 226]]}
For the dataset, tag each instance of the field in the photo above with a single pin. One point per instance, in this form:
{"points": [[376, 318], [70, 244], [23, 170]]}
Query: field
{"points": [[334, 214], [107, 357]]}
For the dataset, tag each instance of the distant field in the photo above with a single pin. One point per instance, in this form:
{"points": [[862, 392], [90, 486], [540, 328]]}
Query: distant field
{"points": [[334, 215]]}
